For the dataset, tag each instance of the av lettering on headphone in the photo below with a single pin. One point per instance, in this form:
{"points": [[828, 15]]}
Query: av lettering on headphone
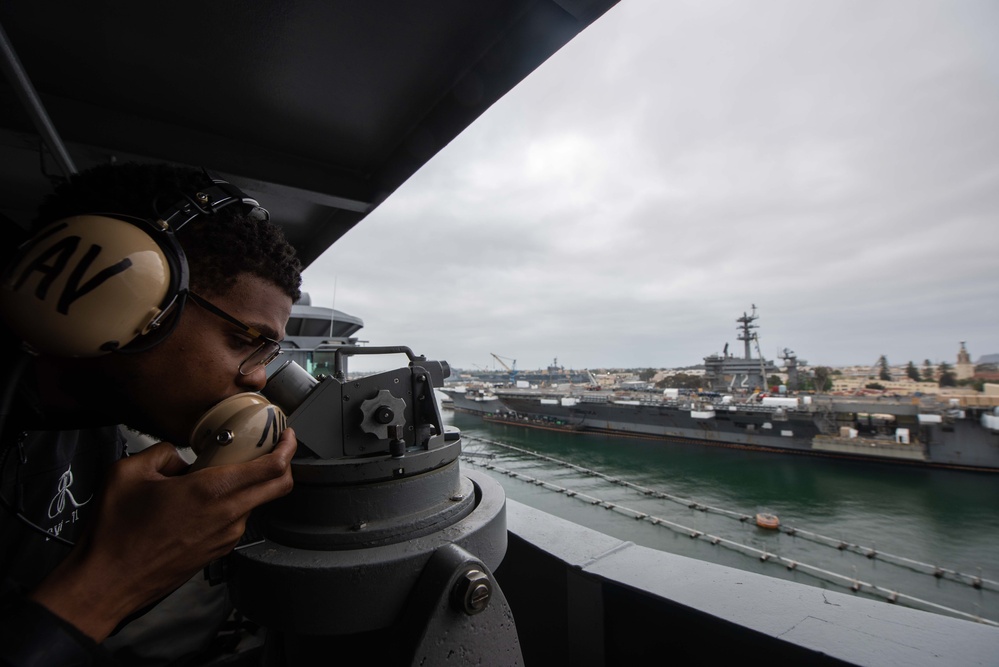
{"points": [[92, 284]]}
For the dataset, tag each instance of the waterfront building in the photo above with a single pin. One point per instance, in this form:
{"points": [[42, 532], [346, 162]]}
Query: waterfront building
{"points": [[964, 369]]}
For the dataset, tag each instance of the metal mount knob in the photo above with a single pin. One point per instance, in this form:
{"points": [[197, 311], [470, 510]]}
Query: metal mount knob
{"points": [[382, 412]]}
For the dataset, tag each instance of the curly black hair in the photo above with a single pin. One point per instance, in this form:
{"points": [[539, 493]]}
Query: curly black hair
{"points": [[218, 247]]}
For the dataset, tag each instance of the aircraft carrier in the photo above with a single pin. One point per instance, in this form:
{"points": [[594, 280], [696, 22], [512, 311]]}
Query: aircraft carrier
{"points": [[958, 432], [554, 374], [958, 435], [475, 401]]}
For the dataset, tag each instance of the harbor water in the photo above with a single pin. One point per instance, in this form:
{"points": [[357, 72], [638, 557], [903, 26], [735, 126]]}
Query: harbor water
{"points": [[920, 537]]}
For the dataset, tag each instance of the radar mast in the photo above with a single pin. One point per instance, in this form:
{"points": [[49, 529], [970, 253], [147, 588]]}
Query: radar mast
{"points": [[746, 335]]}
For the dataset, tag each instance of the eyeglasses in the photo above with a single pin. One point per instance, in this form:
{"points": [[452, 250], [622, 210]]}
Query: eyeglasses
{"points": [[267, 350]]}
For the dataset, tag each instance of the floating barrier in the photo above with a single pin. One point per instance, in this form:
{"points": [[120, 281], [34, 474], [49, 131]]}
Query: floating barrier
{"points": [[852, 583]]}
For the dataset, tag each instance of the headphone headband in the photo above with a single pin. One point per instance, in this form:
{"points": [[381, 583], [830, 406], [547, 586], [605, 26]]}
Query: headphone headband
{"points": [[209, 201]]}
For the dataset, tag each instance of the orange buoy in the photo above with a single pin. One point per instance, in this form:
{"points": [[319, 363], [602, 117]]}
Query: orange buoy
{"points": [[768, 521]]}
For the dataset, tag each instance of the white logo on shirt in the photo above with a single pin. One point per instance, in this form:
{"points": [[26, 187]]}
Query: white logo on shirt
{"points": [[58, 502]]}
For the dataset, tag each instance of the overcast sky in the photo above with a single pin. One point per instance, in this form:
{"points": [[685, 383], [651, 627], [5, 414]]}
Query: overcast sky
{"points": [[834, 163]]}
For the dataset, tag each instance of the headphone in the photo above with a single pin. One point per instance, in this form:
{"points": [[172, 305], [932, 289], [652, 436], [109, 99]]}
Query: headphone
{"points": [[92, 284]]}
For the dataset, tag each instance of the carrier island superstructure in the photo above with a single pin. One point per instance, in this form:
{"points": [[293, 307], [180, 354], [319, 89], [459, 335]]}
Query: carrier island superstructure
{"points": [[727, 372]]}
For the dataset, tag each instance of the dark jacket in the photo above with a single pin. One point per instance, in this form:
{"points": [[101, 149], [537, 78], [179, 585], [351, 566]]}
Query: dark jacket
{"points": [[49, 479]]}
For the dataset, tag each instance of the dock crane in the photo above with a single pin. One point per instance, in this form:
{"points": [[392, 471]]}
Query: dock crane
{"points": [[512, 369]]}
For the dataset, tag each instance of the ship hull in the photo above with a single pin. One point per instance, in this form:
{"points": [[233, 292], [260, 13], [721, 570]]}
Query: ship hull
{"points": [[960, 443]]}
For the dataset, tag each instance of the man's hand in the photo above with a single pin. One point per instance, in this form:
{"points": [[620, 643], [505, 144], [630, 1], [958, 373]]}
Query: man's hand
{"points": [[155, 528]]}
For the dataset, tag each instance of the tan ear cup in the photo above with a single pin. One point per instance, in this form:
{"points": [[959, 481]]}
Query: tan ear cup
{"points": [[237, 429], [85, 286]]}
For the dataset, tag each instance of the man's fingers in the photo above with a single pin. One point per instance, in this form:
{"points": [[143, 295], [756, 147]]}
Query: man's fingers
{"points": [[260, 480], [163, 458], [287, 444]]}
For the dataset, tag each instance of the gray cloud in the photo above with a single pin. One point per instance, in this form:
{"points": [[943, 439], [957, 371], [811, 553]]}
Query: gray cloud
{"points": [[835, 163]]}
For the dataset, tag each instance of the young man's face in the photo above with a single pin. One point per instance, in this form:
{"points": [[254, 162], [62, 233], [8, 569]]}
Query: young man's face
{"points": [[165, 390]]}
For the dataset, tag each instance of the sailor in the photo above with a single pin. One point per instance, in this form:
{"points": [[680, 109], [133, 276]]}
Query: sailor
{"points": [[150, 294]]}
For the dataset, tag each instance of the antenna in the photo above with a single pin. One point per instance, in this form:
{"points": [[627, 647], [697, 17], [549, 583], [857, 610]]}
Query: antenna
{"points": [[333, 309]]}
